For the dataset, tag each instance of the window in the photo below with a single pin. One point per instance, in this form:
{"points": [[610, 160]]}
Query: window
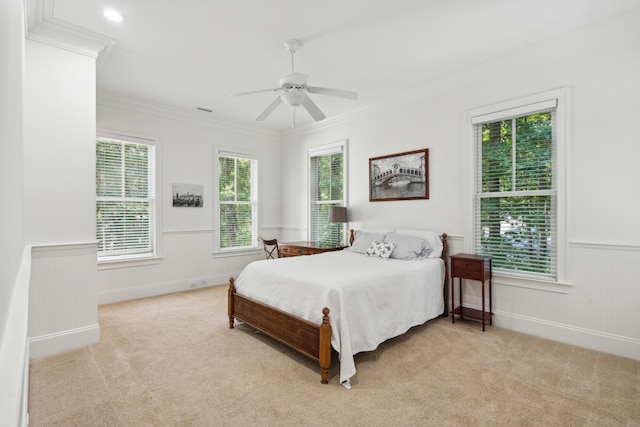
{"points": [[517, 195], [125, 199], [326, 189], [237, 201]]}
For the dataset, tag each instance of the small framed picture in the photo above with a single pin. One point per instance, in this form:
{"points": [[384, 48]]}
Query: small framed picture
{"points": [[187, 195]]}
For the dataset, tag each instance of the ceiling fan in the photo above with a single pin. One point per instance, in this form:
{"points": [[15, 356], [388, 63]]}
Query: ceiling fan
{"points": [[295, 91]]}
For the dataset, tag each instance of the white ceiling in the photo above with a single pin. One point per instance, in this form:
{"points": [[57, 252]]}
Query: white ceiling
{"points": [[195, 53]]}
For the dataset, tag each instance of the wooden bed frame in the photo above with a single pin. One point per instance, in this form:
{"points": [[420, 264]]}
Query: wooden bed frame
{"points": [[307, 338]]}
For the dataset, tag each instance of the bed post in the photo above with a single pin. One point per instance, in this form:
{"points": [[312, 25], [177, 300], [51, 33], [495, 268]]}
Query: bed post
{"points": [[352, 236], [325, 346], [445, 258], [232, 291]]}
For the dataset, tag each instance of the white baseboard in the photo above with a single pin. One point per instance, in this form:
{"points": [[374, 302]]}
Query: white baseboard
{"points": [[59, 342], [154, 289], [581, 337]]}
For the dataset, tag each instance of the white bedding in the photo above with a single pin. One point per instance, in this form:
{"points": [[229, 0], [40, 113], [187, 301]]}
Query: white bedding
{"points": [[371, 299]]}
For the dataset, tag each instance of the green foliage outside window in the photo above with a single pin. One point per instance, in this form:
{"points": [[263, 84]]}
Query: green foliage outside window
{"points": [[327, 190], [237, 207], [517, 195]]}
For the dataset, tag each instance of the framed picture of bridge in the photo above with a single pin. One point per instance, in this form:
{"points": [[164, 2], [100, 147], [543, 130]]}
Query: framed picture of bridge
{"points": [[403, 176]]}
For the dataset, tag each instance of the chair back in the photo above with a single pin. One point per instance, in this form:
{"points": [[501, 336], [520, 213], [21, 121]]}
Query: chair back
{"points": [[271, 249]]}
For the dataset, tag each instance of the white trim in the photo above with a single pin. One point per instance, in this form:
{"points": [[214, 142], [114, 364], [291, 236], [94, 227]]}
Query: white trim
{"points": [[71, 246], [58, 342], [567, 334], [602, 246], [237, 155], [183, 115], [531, 283], [14, 351], [326, 149], [236, 252], [192, 231], [41, 26], [515, 111], [150, 290], [109, 264]]}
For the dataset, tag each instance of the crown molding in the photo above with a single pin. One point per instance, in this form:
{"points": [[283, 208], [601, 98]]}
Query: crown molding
{"points": [[622, 27], [188, 116], [42, 27]]}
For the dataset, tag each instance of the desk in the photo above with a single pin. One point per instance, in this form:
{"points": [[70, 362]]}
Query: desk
{"points": [[305, 248]]}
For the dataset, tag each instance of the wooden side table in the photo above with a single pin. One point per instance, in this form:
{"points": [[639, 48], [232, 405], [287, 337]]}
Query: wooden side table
{"points": [[305, 248], [471, 267]]}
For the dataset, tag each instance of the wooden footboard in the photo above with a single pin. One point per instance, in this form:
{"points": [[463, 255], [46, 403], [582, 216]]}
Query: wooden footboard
{"points": [[307, 338]]}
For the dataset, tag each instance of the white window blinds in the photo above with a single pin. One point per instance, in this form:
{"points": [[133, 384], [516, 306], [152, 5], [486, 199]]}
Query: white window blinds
{"points": [[238, 201], [326, 189], [516, 193], [125, 199]]}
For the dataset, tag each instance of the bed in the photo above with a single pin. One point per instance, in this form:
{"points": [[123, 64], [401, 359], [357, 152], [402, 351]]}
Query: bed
{"points": [[350, 300]]}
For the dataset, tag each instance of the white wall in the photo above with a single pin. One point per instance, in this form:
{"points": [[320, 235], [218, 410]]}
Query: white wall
{"points": [[14, 260], [187, 236], [600, 308], [59, 154]]}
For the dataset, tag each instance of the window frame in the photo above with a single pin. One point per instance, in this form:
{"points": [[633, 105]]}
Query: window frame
{"points": [[325, 150], [508, 109], [155, 255], [240, 154]]}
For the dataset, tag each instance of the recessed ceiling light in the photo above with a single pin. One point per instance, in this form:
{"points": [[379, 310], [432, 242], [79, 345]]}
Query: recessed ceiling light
{"points": [[114, 15]]}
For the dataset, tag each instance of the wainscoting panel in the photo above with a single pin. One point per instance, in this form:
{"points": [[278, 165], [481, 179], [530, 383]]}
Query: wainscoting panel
{"points": [[63, 308], [597, 309]]}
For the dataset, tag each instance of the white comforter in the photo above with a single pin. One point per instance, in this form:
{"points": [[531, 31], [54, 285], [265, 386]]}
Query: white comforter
{"points": [[371, 300]]}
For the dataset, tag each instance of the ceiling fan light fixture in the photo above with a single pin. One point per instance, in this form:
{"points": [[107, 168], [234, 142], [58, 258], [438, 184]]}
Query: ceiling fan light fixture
{"points": [[293, 97]]}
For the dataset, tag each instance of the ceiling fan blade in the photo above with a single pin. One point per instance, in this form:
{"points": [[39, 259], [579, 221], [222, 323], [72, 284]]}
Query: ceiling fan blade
{"points": [[254, 91], [269, 109], [313, 109], [333, 92]]}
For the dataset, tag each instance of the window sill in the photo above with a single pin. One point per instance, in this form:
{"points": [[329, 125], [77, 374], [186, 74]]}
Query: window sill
{"points": [[549, 285], [236, 252], [129, 262]]}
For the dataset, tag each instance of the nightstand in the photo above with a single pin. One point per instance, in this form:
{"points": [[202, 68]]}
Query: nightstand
{"points": [[471, 267], [306, 248]]}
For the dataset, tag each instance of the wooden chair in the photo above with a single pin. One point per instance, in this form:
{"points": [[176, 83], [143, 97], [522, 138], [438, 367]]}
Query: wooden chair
{"points": [[271, 248]]}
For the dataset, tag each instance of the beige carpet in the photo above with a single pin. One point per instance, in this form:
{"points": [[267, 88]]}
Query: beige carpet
{"points": [[172, 361]]}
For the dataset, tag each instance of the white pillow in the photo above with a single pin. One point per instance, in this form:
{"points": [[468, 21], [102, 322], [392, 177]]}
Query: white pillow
{"points": [[432, 237], [408, 247], [362, 240], [380, 249]]}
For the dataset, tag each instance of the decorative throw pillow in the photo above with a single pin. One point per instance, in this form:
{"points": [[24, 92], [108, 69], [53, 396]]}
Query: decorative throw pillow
{"points": [[380, 249]]}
